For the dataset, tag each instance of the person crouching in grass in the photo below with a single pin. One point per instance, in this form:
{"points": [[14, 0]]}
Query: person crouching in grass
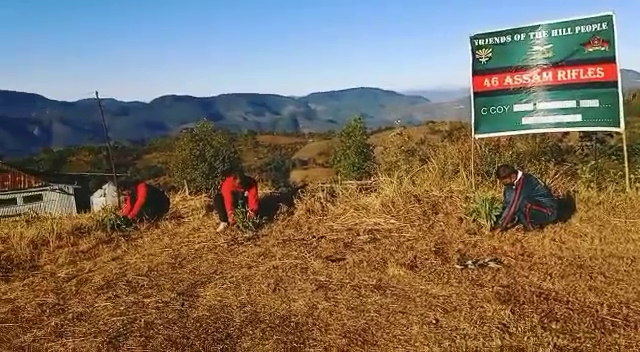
{"points": [[236, 192], [143, 202], [526, 200]]}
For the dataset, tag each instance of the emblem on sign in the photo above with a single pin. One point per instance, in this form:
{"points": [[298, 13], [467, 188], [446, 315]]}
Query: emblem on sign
{"points": [[542, 51], [596, 43], [484, 55]]}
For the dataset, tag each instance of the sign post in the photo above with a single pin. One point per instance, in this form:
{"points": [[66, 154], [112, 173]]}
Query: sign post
{"points": [[558, 76]]}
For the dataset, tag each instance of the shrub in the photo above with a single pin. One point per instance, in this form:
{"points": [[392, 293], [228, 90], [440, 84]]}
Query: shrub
{"points": [[147, 172], [246, 224], [201, 157], [276, 169], [485, 209], [632, 103], [353, 156], [113, 222]]}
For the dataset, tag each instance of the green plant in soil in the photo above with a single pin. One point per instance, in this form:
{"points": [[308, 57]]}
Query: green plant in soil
{"points": [[245, 223], [114, 222], [485, 209]]}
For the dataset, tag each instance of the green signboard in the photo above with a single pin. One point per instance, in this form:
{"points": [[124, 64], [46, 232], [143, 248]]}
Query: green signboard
{"points": [[548, 77]]}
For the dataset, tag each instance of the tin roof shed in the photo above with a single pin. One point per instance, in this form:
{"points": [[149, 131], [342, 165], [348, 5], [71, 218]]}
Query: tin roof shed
{"points": [[27, 191]]}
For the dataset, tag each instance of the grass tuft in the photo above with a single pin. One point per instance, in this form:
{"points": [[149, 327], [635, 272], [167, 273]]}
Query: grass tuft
{"points": [[485, 209]]}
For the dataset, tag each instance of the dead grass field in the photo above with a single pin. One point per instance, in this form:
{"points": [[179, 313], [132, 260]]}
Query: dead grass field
{"points": [[312, 175], [345, 270], [319, 150], [274, 139], [158, 158], [432, 132]]}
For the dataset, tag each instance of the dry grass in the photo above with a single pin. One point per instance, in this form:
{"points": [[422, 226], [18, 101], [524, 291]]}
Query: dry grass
{"points": [[157, 158], [312, 175], [427, 131], [345, 270], [275, 139], [319, 150]]}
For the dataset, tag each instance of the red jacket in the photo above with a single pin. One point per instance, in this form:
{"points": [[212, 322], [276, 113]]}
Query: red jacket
{"points": [[131, 210], [228, 187], [145, 200]]}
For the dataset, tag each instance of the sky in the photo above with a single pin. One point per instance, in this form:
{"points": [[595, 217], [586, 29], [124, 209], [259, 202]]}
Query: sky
{"points": [[141, 49]]}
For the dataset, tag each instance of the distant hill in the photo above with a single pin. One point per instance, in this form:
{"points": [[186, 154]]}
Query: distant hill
{"points": [[379, 107], [30, 122], [630, 79], [439, 95]]}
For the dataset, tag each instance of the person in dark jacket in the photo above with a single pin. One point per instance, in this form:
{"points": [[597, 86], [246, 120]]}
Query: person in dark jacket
{"points": [[237, 191], [143, 201], [527, 200]]}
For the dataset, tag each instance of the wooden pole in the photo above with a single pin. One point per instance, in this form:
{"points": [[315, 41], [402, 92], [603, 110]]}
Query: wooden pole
{"points": [[473, 164], [108, 141], [626, 161], [594, 146], [621, 106]]}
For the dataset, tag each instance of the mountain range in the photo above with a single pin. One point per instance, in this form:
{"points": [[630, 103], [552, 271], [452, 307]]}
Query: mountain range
{"points": [[30, 122], [440, 95]]}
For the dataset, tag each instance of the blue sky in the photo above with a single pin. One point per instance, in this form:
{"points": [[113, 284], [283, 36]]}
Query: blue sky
{"points": [[141, 49]]}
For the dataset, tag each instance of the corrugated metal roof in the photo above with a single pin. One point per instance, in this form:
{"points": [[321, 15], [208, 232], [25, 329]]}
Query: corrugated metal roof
{"points": [[54, 200], [12, 178]]}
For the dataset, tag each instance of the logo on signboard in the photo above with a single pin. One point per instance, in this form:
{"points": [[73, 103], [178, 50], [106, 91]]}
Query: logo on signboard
{"points": [[542, 51], [596, 43], [484, 55]]}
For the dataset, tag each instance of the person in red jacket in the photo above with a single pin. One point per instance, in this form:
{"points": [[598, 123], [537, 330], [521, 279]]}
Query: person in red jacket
{"points": [[236, 190], [143, 201]]}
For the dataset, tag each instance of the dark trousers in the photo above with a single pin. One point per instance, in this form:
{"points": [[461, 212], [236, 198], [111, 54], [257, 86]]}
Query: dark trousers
{"points": [[239, 202], [535, 215], [154, 211]]}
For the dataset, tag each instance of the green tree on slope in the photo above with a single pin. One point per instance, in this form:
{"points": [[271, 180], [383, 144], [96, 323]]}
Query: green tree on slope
{"points": [[353, 156], [201, 156]]}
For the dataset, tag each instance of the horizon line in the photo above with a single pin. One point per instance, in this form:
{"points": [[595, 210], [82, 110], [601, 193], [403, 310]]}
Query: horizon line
{"points": [[401, 92], [404, 91]]}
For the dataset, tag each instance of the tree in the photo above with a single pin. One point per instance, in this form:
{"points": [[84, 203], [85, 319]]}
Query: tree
{"points": [[353, 156], [632, 103], [51, 161], [201, 157], [147, 172], [276, 169]]}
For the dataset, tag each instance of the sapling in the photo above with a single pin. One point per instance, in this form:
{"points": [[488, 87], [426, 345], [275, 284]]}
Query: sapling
{"points": [[485, 210]]}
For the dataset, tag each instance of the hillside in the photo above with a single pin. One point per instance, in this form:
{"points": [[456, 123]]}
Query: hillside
{"points": [[343, 268], [30, 122], [439, 95], [630, 79]]}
